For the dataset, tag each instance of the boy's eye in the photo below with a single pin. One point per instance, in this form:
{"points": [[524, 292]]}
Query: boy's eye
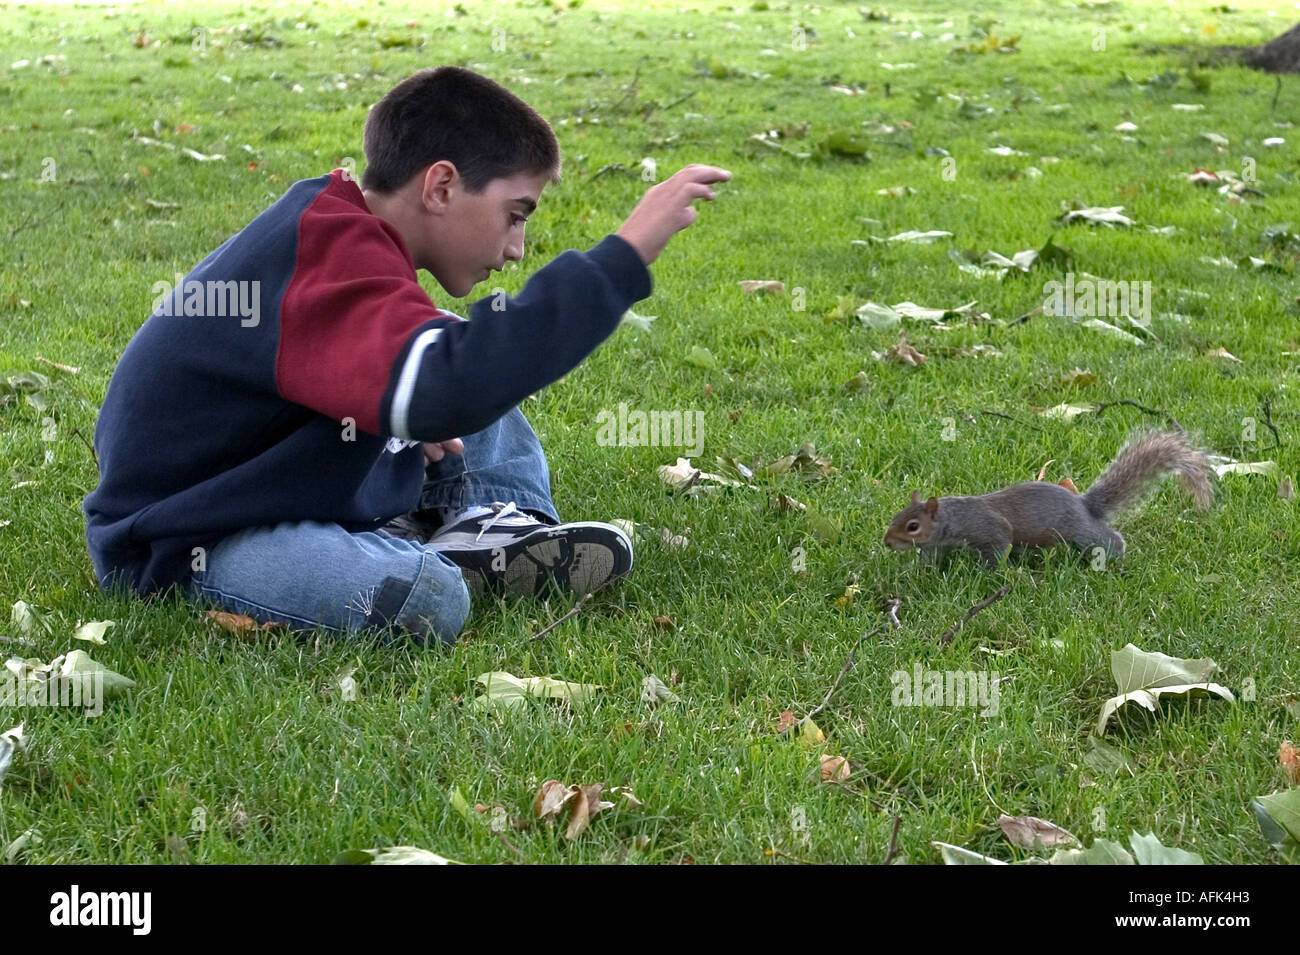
{"points": [[517, 220]]}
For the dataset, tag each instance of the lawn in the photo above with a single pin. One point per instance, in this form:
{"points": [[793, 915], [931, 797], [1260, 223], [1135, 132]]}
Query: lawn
{"points": [[134, 139]]}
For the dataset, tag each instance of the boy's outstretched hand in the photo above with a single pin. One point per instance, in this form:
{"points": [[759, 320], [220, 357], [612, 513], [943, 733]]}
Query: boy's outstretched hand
{"points": [[666, 209]]}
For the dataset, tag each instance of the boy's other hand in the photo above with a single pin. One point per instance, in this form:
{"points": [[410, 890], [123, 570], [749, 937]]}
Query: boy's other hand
{"points": [[437, 450], [666, 209]]}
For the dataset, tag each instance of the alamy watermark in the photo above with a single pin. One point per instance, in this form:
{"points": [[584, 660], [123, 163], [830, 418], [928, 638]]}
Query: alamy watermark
{"points": [[1097, 298], [82, 690], [657, 429], [210, 299], [923, 687]]}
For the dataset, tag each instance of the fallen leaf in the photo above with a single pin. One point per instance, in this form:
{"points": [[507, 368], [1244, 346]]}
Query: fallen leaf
{"points": [[1030, 832], [1143, 677], [639, 321], [1101, 852], [785, 721], [392, 855], [1222, 353], [767, 286], [11, 741], [1241, 467], [902, 352], [1067, 412], [1109, 216], [653, 690], [834, 769], [239, 623], [506, 689], [1288, 758], [93, 632], [1149, 851]]}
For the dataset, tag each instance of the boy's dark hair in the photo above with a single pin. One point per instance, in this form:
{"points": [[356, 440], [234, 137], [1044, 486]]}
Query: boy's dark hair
{"points": [[451, 113]]}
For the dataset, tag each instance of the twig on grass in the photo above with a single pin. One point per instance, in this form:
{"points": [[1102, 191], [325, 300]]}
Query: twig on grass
{"points": [[892, 612], [1000, 414], [1151, 411], [577, 608], [893, 842], [77, 432], [1027, 316], [16, 640], [995, 596], [1267, 405]]}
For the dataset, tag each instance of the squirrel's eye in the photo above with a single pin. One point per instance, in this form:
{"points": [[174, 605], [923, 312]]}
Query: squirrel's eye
{"points": [[913, 526]]}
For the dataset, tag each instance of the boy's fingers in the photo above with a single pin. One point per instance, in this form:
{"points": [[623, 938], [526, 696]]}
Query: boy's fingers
{"points": [[698, 173]]}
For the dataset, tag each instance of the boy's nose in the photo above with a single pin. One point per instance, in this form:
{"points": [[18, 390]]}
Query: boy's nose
{"points": [[514, 252]]}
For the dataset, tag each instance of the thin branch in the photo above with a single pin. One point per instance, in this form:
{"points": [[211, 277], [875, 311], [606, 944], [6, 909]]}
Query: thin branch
{"points": [[577, 608], [1151, 411], [1267, 405], [893, 841], [77, 432], [997, 595], [892, 612]]}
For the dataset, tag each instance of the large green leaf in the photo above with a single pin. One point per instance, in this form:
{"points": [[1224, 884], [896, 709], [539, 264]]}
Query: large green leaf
{"points": [[1149, 698], [505, 689], [392, 855], [956, 855], [1136, 669], [1101, 852], [1144, 677], [1149, 851]]}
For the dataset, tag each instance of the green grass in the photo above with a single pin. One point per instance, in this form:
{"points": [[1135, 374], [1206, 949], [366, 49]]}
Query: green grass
{"points": [[232, 727]]}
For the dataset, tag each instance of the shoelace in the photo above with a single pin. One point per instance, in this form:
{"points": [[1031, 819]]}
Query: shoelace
{"points": [[498, 511]]}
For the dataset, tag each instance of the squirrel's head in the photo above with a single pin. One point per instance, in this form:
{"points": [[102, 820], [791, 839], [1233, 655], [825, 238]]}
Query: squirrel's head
{"points": [[913, 525]]}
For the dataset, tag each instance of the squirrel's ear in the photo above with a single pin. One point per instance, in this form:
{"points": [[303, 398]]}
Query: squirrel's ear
{"points": [[932, 505], [916, 497]]}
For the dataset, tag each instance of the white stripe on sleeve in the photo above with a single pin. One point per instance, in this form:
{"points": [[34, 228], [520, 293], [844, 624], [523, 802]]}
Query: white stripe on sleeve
{"points": [[406, 382]]}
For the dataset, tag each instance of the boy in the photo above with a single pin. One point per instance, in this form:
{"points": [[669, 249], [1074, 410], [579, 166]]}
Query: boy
{"points": [[280, 411]]}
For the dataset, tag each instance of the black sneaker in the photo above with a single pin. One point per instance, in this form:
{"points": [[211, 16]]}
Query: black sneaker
{"points": [[506, 551], [416, 526]]}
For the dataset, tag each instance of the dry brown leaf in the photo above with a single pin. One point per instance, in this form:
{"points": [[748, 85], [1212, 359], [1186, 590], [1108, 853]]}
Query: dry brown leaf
{"points": [[665, 621], [903, 353], [1068, 485], [1030, 832], [1289, 757], [1222, 353], [239, 623], [786, 720], [835, 769], [1042, 472], [551, 797], [750, 286]]}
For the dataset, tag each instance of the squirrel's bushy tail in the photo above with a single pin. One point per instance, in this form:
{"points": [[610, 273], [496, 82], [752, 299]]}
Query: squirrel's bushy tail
{"points": [[1144, 458]]}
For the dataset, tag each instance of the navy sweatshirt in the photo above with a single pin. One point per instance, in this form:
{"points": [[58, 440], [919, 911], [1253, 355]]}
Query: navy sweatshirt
{"points": [[295, 371]]}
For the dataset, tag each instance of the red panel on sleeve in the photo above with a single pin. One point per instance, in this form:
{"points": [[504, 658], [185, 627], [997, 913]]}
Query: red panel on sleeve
{"points": [[350, 308]]}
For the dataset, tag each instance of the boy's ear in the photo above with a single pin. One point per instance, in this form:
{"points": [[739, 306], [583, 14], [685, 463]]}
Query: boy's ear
{"points": [[439, 179], [932, 506]]}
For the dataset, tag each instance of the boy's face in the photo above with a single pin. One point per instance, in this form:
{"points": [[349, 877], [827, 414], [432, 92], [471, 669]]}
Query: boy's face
{"points": [[469, 235]]}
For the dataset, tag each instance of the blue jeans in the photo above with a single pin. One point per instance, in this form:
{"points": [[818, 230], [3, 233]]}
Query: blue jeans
{"points": [[307, 574]]}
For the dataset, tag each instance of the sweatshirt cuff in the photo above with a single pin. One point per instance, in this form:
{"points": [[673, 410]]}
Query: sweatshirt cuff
{"points": [[624, 266]]}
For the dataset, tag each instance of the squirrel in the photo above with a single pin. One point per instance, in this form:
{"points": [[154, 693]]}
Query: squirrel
{"points": [[1042, 514]]}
